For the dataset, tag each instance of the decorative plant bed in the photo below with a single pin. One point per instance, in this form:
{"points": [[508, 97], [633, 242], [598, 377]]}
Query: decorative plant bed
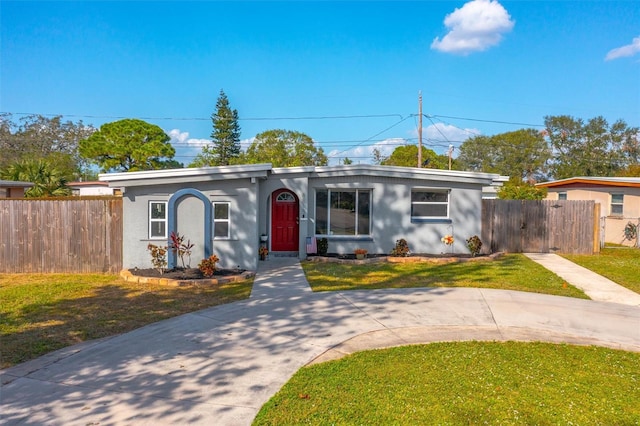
{"points": [[184, 277], [412, 258]]}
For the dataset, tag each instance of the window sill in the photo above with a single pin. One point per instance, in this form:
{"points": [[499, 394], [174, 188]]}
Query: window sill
{"points": [[431, 220], [346, 237]]}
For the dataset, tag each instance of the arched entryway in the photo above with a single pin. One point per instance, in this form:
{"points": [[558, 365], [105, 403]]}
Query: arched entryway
{"points": [[202, 228], [284, 221]]}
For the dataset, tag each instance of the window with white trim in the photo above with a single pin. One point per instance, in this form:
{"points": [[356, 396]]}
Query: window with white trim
{"points": [[221, 221], [157, 220], [343, 212], [429, 203], [617, 204], [562, 195]]}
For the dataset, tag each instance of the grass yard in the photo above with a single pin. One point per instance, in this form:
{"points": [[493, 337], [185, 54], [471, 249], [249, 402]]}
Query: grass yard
{"points": [[40, 313], [621, 265], [511, 272], [464, 383]]}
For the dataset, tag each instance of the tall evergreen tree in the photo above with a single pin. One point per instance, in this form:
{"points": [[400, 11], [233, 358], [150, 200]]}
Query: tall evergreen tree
{"points": [[225, 137]]}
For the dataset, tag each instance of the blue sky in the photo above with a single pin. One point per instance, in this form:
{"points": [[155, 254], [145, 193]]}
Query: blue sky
{"points": [[347, 74]]}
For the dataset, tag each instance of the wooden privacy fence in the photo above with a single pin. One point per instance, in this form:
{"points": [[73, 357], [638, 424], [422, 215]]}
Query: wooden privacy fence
{"points": [[529, 226], [61, 235]]}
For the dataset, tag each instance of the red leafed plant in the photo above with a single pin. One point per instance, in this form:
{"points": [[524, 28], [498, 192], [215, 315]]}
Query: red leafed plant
{"points": [[179, 247]]}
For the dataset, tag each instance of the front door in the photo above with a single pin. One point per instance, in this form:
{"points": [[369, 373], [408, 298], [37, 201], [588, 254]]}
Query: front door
{"points": [[284, 221]]}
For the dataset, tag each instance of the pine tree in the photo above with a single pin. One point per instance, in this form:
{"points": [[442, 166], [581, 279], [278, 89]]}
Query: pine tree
{"points": [[225, 137]]}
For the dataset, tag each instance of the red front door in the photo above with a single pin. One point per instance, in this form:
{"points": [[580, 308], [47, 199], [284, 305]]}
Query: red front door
{"points": [[284, 221]]}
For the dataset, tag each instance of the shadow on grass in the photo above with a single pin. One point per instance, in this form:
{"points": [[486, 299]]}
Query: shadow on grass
{"points": [[31, 330], [511, 272]]}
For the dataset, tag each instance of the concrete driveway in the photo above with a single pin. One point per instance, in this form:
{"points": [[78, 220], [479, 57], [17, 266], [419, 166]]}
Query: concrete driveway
{"points": [[218, 366]]}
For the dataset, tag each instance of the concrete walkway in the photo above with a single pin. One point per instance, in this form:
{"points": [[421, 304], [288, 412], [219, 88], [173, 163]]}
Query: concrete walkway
{"points": [[220, 365], [594, 285]]}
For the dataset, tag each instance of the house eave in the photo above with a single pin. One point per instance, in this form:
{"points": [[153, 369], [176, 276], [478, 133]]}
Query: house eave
{"points": [[201, 174], [616, 182]]}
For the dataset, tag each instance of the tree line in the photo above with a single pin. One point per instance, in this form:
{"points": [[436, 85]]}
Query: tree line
{"points": [[51, 152]]}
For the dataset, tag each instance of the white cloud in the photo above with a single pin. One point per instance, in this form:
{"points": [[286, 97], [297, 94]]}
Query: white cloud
{"points": [[364, 154], [181, 139], [246, 143], [446, 133], [476, 26], [624, 51]]}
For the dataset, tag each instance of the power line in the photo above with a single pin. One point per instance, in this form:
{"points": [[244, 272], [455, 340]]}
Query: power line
{"points": [[377, 134], [326, 117], [488, 121]]}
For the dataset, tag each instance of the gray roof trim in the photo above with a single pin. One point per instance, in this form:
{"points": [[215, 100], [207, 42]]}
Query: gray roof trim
{"points": [[201, 174], [407, 173], [15, 184]]}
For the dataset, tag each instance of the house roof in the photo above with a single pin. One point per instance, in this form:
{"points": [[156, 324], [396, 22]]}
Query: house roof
{"points": [[87, 183], [15, 184], [632, 182], [153, 177]]}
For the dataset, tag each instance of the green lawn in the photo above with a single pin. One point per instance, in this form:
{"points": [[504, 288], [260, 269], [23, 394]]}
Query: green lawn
{"points": [[511, 272], [464, 383], [621, 265], [40, 313]]}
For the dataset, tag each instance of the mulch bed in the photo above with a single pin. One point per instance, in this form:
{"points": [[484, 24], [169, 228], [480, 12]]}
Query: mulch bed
{"points": [[184, 273]]}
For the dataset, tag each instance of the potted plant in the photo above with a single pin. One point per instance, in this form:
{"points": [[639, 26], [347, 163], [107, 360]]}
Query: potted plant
{"points": [[360, 253], [263, 251]]}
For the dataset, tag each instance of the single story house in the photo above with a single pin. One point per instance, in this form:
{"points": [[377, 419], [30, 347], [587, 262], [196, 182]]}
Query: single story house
{"points": [[619, 199], [92, 189], [13, 188], [226, 210]]}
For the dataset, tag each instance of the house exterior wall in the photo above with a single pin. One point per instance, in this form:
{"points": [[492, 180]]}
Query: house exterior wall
{"points": [[391, 215], [602, 195], [236, 251]]}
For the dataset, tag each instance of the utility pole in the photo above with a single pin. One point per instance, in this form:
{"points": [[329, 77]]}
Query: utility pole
{"points": [[450, 154], [420, 129]]}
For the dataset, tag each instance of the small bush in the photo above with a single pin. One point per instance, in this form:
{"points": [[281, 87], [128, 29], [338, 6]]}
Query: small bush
{"points": [[360, 251], [401, 249], [208, 266], [158, 257], [474, 245], [323, 246]]}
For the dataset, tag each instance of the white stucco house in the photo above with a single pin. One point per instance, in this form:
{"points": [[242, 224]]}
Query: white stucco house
{"points": [[225, 210]]}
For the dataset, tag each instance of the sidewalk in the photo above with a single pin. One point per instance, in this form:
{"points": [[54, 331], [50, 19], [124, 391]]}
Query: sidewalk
{"points": [[220, 365], [595, 286]]}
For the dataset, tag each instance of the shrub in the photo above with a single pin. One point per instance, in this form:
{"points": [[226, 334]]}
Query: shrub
{"points": [[323, 246], [401, 249], [208, 266], [158, 257], [474, 245], [179, 247]]}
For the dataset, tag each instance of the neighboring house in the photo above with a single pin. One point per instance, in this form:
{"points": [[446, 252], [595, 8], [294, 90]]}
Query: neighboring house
{"points": [[225, 210], [13, 189], [92, 188], [490, 192], [619, 199]]}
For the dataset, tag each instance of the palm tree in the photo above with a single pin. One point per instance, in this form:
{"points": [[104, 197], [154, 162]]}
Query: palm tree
{"points": [[47, 179]]}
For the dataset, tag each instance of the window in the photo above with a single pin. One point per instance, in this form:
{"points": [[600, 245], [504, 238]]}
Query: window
{"points": [[157, 219], [221, 221], [343, 212], [562, 195], [429, 203], [617, 204]]}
